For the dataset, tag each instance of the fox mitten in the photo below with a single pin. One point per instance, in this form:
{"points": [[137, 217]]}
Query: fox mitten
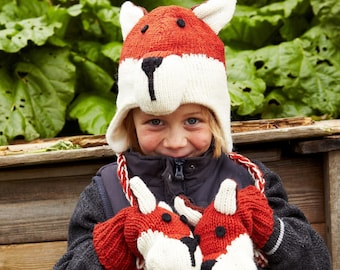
{"points": [[230, 225], [256, 215], [146, 236]]}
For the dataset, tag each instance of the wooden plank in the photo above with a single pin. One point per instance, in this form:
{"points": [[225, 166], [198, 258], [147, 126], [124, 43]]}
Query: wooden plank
{"points": [[302, 177], [264, 124], [42, 198], [327, 144], [35, 221], [31, 256], [318, 129], [262, 153], [332, 191], [56, 156]]}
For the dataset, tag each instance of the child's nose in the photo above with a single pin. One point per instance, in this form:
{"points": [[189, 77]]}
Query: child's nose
{"points": [[175, 139]]}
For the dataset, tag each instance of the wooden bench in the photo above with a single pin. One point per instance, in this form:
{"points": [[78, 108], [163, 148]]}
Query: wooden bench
{"points": [[38, 192]]}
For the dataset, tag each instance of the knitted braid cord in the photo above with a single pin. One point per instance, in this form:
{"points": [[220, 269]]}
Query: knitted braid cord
{"points": [[257, 175], [123, 176]]}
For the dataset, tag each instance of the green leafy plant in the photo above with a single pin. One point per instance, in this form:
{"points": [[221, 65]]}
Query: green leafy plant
{"points": [[283, 59], [58, 61]]}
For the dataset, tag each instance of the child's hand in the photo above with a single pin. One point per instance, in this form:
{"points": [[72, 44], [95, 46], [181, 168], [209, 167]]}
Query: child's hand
{"points": [[147, 235], [255, 214], [230, 226]]}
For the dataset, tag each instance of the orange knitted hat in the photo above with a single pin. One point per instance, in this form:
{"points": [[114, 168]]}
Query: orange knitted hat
{"points": [[172, 56]]}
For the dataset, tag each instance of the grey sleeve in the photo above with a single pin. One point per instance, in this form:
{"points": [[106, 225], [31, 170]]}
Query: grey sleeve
{"points": [[80, 252], [294, 244]]}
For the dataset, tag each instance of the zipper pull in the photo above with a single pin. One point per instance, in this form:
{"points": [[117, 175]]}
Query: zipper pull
{"points": [[179, 169]]}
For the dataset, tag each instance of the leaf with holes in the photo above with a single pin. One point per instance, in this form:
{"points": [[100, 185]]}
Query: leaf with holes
{"points": [[25, 22], [246, 90], [303, 75], [34, 97]]}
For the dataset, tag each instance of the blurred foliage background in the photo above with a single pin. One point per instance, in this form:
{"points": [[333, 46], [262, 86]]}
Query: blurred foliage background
{"points": [[58, 63]]}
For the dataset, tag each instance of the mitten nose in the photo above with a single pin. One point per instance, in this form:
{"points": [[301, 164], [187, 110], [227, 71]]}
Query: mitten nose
{"points": [[208, 265], [192, 244]]}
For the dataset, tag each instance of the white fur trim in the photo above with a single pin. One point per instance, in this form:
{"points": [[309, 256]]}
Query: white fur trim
{"points": [[216, 13], [179, 80]]}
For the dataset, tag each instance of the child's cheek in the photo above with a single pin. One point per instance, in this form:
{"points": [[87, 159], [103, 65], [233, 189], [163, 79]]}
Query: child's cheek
{"points": [[148, 143]]}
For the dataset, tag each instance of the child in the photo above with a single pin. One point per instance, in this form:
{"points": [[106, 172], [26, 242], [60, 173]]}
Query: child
{"points": [[172, 130]]}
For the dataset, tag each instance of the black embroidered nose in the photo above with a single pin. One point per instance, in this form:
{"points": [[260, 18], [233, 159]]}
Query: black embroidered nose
{"points": [[208, 265], [192, 244], [149, 66]]}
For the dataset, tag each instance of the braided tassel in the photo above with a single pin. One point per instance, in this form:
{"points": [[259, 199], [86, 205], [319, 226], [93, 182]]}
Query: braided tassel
{"points": [[257, 175], [253, 169], [124, 179]]}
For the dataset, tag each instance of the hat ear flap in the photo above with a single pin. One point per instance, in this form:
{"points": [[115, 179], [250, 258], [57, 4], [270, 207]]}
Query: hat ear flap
{"points": [[216, 13], [129, 16]]}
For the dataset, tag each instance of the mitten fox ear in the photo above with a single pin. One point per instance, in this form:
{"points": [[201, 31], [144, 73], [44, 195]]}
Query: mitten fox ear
{"points": [[216, 13], [146, 200], [226, 198], [189, 212]]}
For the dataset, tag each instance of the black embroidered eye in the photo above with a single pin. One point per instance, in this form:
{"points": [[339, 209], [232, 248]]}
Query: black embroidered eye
{"points": [[183, 219], [220, 231], [145, 28], [166, 217], [181, 23]]}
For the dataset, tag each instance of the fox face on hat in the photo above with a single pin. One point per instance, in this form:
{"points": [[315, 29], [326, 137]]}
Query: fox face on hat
{"points": [[170, 57]]}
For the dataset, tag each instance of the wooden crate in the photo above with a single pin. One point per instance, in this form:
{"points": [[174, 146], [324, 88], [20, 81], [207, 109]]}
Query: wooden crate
{"points": [[38, 192]]}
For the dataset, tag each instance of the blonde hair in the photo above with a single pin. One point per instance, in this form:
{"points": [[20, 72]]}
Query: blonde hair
{"points": [[218, 142]]}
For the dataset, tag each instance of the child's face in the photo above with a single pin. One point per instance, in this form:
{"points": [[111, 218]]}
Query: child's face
{"points": [[183, 133]]}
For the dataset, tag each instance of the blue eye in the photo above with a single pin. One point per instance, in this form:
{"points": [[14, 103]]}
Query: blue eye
{"points": [[155, 122], [192, 121]]}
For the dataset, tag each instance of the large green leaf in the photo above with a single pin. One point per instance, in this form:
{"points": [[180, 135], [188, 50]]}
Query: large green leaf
{"points": [[25, 22], [253, 27], [301, 74], [92, 78], [327, 10], [35, 94], [246, 90], [93, 112], [277, 105]]}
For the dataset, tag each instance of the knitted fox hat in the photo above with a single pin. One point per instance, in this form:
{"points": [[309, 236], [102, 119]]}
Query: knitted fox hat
{"points": [[170, 57]]}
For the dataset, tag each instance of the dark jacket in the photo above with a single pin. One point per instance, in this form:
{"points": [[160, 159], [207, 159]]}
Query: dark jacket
{"points": [[293, 244]]}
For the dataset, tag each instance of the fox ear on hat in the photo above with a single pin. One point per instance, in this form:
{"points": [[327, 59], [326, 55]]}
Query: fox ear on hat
{"points": [[129, 16], [216, 13]]}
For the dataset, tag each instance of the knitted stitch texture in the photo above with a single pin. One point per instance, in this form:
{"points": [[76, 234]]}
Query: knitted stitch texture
{"points": [[256, 215], [230, 225], [172, 56], [148, 236]]}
